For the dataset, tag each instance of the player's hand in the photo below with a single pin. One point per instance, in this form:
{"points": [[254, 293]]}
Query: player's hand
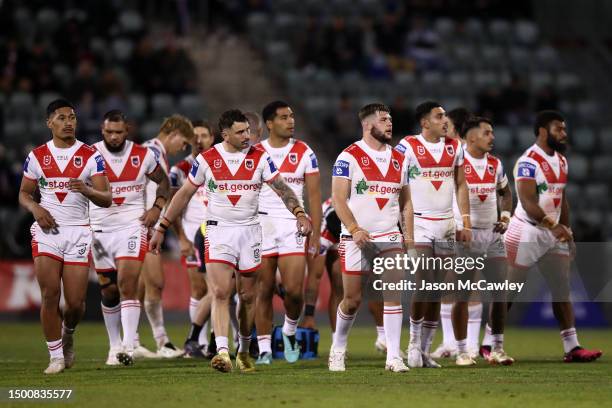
{"points": [[314, 244], [79, 186], [150, 217], [464, 235], [186, 247], [562, 233], [501, 226], [304, 225], [155, 243], [362, 238], [44, 218]]}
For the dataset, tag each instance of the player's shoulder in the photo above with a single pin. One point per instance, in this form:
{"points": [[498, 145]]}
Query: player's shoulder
{"points": [[404, 143], [491, 158], [300, 144], [138, 148], [43, 148], [183, 166]]}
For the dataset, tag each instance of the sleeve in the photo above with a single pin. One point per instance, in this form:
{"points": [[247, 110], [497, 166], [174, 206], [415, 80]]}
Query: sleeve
{"points": [[312, 165], [177, 177], [96, 165], [525, 169], [343, 166], [406, 172], [269, 171], [502, 179], [150, 162], [197, 174], [401, 147], [459, 156], [31, 169]]}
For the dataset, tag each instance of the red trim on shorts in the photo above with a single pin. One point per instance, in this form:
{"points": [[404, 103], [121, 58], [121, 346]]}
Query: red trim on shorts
{"points": [[249, 270], [47, 254], [386, 234], [74, 263], [433, 218], [353, 273], [424, 246], [29, 178], [223, 261], [130, 258], [105, 270], [190, 264], [273, 255], [292, 254]]}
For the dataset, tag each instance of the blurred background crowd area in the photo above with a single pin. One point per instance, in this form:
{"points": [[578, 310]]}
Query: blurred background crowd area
{"points": [[505, 60]]}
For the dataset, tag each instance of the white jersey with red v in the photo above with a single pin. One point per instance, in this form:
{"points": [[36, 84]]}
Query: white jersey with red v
{"points": [[550, 176], [233, 182], [157, 147], [377, 178], [484, 177], [196, 208], [52, 168], [431, 171], [127, 172], [295, 162]]}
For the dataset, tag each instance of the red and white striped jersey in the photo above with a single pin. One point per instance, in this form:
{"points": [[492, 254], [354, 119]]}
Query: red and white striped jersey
{"points": [[376, 179], [550, 175], [196, 208], [52, 168], [294, 161], [157, 147], [233, 182], [484, 177], [127, 173], [431, 170]]}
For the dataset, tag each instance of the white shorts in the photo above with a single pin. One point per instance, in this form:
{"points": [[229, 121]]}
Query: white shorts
{"points": [[281, 237], [487, 243], [352, 260], [438, 234], [190, 229], [68, 244], [327, 242], [108, 247], [527, 243], [236, 245]]}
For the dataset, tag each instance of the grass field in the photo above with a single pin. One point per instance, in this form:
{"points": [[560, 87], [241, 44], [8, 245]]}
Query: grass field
{"points": [[538, 378]]}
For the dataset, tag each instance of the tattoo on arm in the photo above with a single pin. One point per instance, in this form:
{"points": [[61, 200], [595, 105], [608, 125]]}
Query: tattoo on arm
{"points": [[163, 185], [285, 193]]}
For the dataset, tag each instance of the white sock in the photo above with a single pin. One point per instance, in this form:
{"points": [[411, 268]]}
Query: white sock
{"points": [[264, 343], [155, 314], [112, 321], [416, 328], [203, 338], [193, 308], [448, 335], [290, 326], [136, 339], [380, 333], [474, 321], [222, 343], [344, 322], [427, 334], [488, 337], [462, 346], [55, 349], [498, 341], [570, 339], [392, 320], [130, 316], [244, 343]]}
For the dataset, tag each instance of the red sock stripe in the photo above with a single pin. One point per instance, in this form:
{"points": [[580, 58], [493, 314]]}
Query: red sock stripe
{"points": [[57, 347], [111, 310], [412, 321], [345, 317], [264, 337]]}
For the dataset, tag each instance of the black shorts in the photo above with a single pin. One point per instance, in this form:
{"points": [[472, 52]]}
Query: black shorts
{"points": [[198, 243]]}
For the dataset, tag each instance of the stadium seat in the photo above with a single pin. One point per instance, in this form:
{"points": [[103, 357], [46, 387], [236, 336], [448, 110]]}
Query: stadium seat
{"points": [[15, 132], [122, 49], [162, 104], [137, 105], [45, 99], [573, 192], [483, 79], [597, 195], [578, 168], [47, 20], [520, 57], [526, 32], [444, 27], [567, 81], [192, 106], [602, 167], [20, 105], [583, 139], [149, 129], [492, 56], [474, 28], [499, 30], [547, 56], [525, 137], [131, 21], [540, 79], [605, 140]]}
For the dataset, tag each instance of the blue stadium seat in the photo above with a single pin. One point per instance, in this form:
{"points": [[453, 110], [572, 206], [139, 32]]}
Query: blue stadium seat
{"points": [[137, 105], [504, 139], [583, 139], [162, 104], [192, 106], [525, 137], [578, 168], [526, 32]]}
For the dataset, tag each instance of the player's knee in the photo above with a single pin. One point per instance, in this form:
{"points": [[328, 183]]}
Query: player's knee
{"points": [[221, 294], [294, 297], [76, 305], [110, 296], [351, 304], [247, 297], [50, 298]]}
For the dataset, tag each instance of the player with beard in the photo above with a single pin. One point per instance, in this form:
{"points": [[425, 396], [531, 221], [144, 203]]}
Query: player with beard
{"points": [[68, 174], [283, 246], [539, 232], [369, 192], [120, 231]]}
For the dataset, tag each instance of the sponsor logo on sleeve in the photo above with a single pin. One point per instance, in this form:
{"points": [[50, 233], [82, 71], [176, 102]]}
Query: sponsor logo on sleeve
{"points": [[341, 168], [26, 164], [174, 180], [271, 165], [401, 148], [526, 169], [194, 168], [99, 164], [313, 161]]}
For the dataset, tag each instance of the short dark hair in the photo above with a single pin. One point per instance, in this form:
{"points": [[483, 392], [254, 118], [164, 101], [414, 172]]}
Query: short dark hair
{"points": [[371, 109], [115, 115], [269, 111], [228, 118], [202, 123], [57, 104], [459, 116], [472, 123], [424, 109], [544, 118]]}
